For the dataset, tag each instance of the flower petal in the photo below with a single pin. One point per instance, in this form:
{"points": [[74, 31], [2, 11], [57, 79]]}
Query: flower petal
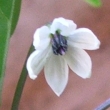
{"points": [[56, 73], [41, 38], [64, 25], [84, 38], [36, 62], [79, 62]]}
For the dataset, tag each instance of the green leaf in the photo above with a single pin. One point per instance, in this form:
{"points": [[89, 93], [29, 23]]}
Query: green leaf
{"points": [[94, 3], [9, 13]]}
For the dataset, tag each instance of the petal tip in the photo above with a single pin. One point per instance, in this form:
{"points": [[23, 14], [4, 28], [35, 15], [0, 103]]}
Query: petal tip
{"points": [[97, 46], [32, 76], [88, 76], [58, 93]]}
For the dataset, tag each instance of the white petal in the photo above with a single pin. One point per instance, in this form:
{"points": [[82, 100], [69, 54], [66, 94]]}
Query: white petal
{"points": [[66, 26], [36, 62], [41, 38], [56, 74], [84, 38], [79, 62]]}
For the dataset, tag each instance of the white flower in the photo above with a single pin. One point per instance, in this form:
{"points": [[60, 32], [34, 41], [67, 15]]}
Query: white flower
{"points": [[58, 46]]}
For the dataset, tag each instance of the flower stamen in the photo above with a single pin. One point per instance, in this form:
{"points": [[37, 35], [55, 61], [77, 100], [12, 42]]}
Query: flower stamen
{"points": [[59, 44]]}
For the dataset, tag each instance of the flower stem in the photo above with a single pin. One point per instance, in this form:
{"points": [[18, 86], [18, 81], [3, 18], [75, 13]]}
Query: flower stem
{"points": [[20, 84], [104, 105]]}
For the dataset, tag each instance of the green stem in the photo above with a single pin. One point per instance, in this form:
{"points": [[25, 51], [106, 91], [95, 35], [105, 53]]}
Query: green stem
{"points": [[20, 85]]}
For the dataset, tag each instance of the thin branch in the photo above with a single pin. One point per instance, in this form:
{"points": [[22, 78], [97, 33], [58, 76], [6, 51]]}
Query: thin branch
{"points": [[20, 85]]}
